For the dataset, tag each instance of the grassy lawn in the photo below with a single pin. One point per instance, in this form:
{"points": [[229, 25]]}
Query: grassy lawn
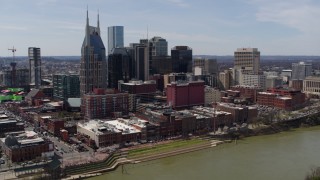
{"points": [[160, 148]]}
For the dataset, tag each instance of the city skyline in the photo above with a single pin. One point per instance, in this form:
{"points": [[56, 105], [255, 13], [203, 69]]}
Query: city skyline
{"points": [[289, 27]]}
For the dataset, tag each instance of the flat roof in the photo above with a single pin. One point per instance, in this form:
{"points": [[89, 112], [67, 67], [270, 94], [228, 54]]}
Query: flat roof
{"points": [[285, 98], [4, 121], [126, 129], [3, 116], [95, 125], [30, 141]]}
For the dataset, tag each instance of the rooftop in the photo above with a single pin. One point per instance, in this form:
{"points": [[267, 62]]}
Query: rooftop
{"points": [[114, 126], [22, 139], [74, 102]]}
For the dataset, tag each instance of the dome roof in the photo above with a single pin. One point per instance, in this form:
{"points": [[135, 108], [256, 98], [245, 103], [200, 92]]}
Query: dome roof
{"points": [[11, 141]]}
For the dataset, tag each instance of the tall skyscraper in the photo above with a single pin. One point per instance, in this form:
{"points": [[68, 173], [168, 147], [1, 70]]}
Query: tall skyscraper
{"points": [[246, 61], [301, 70], [158, 50], [93, 67], [119, 67], [66, 86], [35, 66], [181, 59], [158, 46], [115, 37]]}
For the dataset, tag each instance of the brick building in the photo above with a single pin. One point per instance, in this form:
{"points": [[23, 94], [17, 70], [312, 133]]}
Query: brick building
{"points": [[139, 87], [248, 92], [298, 98], [240, 113], [9, 125], [185, 94], [102, 104], [55, 125], [281, 98], [33, 96], [26, 146], [266, 99]]}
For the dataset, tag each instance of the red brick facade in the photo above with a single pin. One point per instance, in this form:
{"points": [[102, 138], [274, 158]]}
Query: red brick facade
{"points": [[247, 92], [105, 105], [282, 98], [185, 95]]}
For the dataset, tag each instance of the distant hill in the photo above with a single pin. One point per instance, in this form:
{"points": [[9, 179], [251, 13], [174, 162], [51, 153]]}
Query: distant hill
{"points": [[264, 58]]}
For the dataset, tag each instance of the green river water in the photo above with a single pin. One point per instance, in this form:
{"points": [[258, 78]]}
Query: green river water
{"points": [[287, 155]]}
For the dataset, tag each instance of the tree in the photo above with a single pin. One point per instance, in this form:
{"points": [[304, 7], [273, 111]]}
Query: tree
{"points": [[314, 174]]}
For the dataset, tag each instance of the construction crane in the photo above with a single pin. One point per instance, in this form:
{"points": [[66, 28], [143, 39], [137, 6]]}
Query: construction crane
{"points": [[13, 50]]}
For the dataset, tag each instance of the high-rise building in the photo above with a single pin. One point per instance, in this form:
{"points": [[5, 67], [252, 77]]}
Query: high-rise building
{"points": [[181, 59], [158, 46], [160, 65], [103, 104], [35, 66], [21, 78], [119, 67], [93, 66], [208, 66], [225, 78], [246, 61], [66, 86], [141, 59], [158, 50], [301, 70], [115, 38]]}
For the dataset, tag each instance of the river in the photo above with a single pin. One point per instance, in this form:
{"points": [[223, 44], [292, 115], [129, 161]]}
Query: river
{"points": [[286, 155]]}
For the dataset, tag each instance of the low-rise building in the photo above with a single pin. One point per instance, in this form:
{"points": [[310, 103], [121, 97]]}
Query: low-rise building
{"points": [[281, 98], [298, 98], [249, 92], [106, 133], [25, 146], [218, 118], [33, 96], [296, 84], [55, 126], [311, 86], [9, 125], [240, 113]]}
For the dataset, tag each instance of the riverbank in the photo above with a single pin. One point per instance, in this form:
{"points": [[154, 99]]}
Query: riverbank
{"points": [[149, 152], [285, 155], [155, 151]]}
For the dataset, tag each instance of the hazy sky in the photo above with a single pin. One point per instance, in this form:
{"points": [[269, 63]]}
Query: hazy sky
{"points": [[213, 27]]}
